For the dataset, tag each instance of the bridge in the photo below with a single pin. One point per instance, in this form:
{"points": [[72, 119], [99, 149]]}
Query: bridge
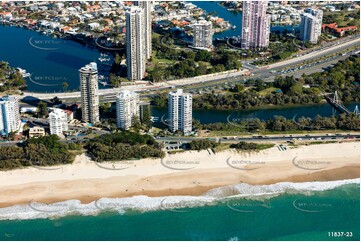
{"points": [[336, 103]]}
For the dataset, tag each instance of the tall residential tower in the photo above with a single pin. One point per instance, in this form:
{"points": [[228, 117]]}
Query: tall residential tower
{"points": [[58, 121], [127, 106], [311, 25], [202, 34], [255, 25], [180, 111], [136, 43], [147, 8], [9, 115], [89, 93]]}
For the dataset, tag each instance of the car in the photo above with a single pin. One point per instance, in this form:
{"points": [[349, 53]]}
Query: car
{"points": [[319, 138]]}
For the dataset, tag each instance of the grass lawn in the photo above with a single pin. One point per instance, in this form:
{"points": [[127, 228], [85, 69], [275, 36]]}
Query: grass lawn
{"points": [[222, 147], [267, 91], [341, 19]]}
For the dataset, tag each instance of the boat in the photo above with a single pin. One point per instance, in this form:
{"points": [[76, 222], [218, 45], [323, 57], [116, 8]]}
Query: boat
{"points": [[234, 27], [103, 83], [101, 77], [23, 72]]}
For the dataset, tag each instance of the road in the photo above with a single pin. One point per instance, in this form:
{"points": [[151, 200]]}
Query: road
{"points": [[254, 138], [178, 141], [316, 54], [263, 72]]}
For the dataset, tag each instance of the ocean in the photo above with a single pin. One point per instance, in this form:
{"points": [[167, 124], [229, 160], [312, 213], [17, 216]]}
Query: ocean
{"points": [[283, 211]]}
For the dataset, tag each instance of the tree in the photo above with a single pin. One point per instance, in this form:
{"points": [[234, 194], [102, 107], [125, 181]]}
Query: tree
{"points": [[42, 110], [11, 136], [203, 55], [115, 80], [201, 69], [146, 118], [157, 73], [65, 85], [118, 59]]}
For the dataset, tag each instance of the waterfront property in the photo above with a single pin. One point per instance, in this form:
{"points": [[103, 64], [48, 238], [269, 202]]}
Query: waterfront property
{"points": [[147, 7], [180, 111], [135, 38], [9, 115], [255, 25], [89, 93], [202, 35]]}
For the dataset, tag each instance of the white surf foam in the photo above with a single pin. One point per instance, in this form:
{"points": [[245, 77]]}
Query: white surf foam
{"points": [[245, 189], [34, 210]]}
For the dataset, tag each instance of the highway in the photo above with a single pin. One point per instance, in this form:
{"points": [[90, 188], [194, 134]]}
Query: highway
{"points": [[259, 73], [262, 72], [316, 54]]}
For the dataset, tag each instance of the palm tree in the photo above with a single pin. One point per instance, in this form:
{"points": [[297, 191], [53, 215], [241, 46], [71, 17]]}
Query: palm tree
{"points": [[65, 85]]}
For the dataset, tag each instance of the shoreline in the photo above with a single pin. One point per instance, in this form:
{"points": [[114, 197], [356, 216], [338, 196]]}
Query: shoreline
{"points": [[339, 174], [195, 173]]}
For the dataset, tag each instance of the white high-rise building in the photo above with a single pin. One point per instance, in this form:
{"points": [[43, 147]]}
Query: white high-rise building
{"points": [[127, 106], [9, 115], [180, 111], [135, 41], [89, 93], [148, 8], [58, 121], [202, 34], [255, 25], [311, 25]]}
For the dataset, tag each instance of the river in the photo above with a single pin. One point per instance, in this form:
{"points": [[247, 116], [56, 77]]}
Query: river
{"points": [[50, 61], [235, 18], [213, 116]]}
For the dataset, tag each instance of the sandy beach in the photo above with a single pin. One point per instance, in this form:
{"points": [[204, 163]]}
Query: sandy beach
{"points": [[186, 173]]}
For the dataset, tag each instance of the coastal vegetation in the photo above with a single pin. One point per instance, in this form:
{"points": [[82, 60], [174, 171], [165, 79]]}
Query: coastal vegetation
{"points": [[250, 146], [201, 144], [122, 146], [10, 78], [281, 124], [42, 151]]}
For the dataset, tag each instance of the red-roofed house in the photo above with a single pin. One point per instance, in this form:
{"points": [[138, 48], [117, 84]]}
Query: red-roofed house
{"points": [[6, 15], [336, 30]]}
